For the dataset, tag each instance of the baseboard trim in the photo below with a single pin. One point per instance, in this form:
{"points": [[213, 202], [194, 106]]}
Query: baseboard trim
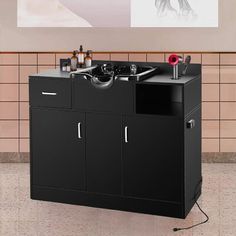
{"points": [[207, 157], [14, 157], [219, 157]]}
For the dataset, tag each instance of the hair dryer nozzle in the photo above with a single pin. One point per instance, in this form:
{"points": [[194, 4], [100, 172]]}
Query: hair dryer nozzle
{"points": [[175, 59]]}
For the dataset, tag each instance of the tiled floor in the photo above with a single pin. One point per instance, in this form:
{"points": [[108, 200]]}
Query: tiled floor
{"points": [[21, 216]]}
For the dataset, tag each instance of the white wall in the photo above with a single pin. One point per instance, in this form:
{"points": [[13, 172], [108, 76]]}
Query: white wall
{"points": [[145, 39]]}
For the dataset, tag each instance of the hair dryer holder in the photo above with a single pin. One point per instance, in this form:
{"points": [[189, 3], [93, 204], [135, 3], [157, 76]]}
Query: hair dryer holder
{"points": [[175, 60]]}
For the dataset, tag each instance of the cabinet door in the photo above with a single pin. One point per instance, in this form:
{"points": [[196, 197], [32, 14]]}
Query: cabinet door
{"points": [[153, 158], [103, 153], [58, 148]]}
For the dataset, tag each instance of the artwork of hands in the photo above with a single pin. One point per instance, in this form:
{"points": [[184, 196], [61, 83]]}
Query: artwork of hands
{"points": [[165, 8]]}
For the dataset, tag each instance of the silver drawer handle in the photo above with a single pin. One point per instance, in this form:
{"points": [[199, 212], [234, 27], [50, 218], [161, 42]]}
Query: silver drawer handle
{"points": [[79, 130], [49, 94], [126, 134]]}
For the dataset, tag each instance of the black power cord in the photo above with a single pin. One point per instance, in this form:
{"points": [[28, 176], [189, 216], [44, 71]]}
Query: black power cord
{"points": [[204, 213]]}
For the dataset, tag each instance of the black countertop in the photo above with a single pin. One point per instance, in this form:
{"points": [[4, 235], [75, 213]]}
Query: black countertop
{"points": [[159, 79]]}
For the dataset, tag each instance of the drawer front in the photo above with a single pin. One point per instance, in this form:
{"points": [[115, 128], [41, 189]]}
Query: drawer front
{"points": [[50, 92], [118, 98]]}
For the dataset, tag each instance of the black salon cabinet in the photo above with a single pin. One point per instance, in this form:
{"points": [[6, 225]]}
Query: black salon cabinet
{"points": [[138, 151]]}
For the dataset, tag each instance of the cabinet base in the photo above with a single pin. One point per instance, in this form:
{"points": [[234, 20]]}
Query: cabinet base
{"points": [[170, 209]]}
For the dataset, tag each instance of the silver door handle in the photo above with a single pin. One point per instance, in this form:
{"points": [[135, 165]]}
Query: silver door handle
{"points": [[126, 134], [49, 94], [79, 130], [191, 124]]}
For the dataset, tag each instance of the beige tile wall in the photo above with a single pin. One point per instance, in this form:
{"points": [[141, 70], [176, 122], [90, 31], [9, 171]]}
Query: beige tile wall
{"points": [[218, 94], [14, 96]]}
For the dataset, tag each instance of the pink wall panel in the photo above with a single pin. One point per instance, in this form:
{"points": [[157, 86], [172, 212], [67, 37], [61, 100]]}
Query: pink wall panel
{"points": [[46, 59], [24, 129], [119, 56], [8, 129], [9, 59], [25, 71], [155, 57], [9, 145], [8, 92], [24, 92], [9, 110], [24, 145], [139, 57], [9, 74], [28, 59], [101, 56], [24, 111]]}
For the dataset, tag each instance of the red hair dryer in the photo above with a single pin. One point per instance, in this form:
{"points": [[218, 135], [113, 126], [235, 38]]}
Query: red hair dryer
{"points": [[175, 60]]}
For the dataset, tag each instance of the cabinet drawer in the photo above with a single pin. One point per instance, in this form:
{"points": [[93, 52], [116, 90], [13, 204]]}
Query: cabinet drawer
{"points": [[50, 92]]}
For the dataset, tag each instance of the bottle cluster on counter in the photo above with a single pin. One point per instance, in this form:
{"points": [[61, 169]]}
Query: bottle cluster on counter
{"points": [[79, 59]]}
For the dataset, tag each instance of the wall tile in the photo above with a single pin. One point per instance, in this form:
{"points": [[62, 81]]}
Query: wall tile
{"points": [[8, 92], [24, 129], [8, 129], [8, 74], [138, 57], [228, 92], [24, 145], [228, 74], [24, 92], [25, 72], [9, 145], [155, 57], [210, 59], [101, 56], [228, 110], [45, 68], [119, 57], [46, 59], [28, 59], [195, 57], [210, 145], [210, 110], [9, 59], [210, 92], [228, 129], [62, 56], [24, 110], [228, 59], [210, 129], [228, 145], [210, 74], [9, 110]]}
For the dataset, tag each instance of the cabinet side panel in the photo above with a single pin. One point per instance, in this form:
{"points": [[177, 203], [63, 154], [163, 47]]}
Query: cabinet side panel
{"points": [[193, 169], [192, 95]]}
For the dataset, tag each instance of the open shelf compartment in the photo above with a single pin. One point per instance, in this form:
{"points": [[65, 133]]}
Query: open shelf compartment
{"points": [[159, 99]]}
